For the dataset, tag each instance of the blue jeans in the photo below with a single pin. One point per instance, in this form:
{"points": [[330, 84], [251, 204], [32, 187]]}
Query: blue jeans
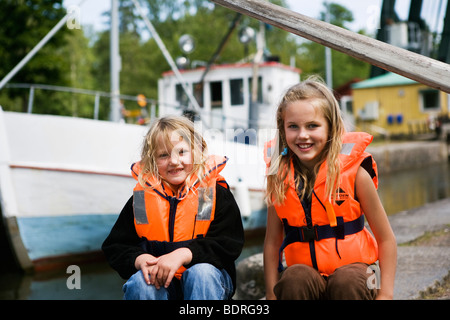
{"points": [[202, 281]]}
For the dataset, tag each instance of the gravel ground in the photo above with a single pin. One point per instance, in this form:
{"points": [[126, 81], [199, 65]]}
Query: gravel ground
{"points": [[423, 264], [441, 289]]}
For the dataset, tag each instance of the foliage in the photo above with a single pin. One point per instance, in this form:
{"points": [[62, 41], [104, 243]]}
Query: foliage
{"points": [[344, 67], [80, 58], [24, 23]]}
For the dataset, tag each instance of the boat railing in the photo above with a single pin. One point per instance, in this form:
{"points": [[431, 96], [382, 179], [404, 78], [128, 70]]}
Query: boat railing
{"points": [[217, 120], [97, 94]]}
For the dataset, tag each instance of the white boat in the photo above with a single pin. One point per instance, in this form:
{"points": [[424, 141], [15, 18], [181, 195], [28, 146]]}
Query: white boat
{"points": [[64, 180]]}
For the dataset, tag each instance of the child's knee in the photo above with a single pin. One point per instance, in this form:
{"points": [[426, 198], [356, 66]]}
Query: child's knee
{"points": [[137, 289], [350, 283], [201, 270], [136, 280], [204, 281], [300, 282], [134, 286]]}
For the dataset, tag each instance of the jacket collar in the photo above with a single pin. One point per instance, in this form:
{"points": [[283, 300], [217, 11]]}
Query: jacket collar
{"points": [[214, 165], [354, 145]]}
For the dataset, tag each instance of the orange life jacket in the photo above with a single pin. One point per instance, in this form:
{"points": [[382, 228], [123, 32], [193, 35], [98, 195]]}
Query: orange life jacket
{"points": [[327, 236], [166, 221]]}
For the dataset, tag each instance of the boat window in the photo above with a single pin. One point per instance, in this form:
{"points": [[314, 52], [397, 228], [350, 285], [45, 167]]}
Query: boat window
{"points": [[216, 94], [237, 91], [181, 96]]}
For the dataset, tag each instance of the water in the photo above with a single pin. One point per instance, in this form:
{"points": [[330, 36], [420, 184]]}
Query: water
{"points": [[398, 191], [413, 188]]}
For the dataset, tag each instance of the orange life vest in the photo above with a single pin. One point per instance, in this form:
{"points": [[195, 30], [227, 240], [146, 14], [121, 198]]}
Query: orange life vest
{"points": [[166, 221], [327, 236]]}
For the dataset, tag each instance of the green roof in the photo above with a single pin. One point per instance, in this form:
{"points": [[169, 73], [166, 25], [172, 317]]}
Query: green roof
{"points": [[385, 80]]}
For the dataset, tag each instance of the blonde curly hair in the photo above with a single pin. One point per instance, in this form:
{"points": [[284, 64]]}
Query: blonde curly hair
{"points": [[166, 129]]}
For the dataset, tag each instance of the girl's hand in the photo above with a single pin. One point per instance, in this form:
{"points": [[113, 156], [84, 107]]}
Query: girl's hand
{"points": [[163, 269], [382, 296], [141, 264]]}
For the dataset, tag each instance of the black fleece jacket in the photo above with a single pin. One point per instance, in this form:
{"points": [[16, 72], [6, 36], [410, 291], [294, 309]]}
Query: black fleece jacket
{"points": [[220, 247]]}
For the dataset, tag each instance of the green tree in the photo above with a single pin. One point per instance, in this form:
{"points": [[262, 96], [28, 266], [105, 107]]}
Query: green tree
{"points": [[24, 23], [142, 61], [80, 57], [344, 67]]}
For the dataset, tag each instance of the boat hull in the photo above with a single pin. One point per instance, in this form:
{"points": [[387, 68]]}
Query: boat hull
{"points": [[51, 242]]}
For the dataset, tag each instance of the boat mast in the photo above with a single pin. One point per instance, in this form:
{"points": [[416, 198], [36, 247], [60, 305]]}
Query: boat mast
{"points": [[169, 59], [115, 63]]}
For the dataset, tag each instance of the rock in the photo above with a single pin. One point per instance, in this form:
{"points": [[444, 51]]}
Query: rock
{"points": [[250, 278]]}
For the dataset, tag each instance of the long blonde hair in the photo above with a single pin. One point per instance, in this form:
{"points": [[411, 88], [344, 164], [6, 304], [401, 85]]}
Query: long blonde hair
{"points": [[165, 128], [277, 183]]}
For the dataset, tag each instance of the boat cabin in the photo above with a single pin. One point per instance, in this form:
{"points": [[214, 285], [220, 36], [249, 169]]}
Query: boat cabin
{"points": [[225, 97]]}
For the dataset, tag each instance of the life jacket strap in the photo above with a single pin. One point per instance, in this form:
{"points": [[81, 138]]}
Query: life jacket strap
{"points": [[317, 233]]}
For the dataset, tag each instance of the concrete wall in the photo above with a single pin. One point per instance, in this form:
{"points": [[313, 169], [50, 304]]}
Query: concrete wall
{"points": [[408, 155]]}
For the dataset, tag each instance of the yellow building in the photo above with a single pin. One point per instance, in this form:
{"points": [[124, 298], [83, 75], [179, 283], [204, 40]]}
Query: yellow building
{"points": [[395, 105]]}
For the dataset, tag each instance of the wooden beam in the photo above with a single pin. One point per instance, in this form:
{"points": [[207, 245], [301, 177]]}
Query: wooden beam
{"points": [[422, 69]]}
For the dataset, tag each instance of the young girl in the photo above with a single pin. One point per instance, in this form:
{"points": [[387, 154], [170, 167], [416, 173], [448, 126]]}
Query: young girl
{"points": [[320, 185], [180, 233]]}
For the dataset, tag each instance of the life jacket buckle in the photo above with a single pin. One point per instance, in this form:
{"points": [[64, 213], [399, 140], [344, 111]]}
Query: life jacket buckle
{"points": [[309, 234], [339, 230]]}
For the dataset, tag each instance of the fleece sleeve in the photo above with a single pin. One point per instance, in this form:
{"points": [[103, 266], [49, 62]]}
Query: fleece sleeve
{"points": [[121, 246]]}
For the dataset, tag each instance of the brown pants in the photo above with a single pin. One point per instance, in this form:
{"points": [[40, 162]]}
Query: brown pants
{"points": [[301, 282]]}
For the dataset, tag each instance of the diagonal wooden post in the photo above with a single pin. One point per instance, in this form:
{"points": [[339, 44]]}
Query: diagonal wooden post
{"points": [[422, 69]]}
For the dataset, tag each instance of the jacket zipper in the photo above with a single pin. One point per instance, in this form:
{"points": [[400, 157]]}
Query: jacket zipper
{"points": [[307, 208], [173, 202]]}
